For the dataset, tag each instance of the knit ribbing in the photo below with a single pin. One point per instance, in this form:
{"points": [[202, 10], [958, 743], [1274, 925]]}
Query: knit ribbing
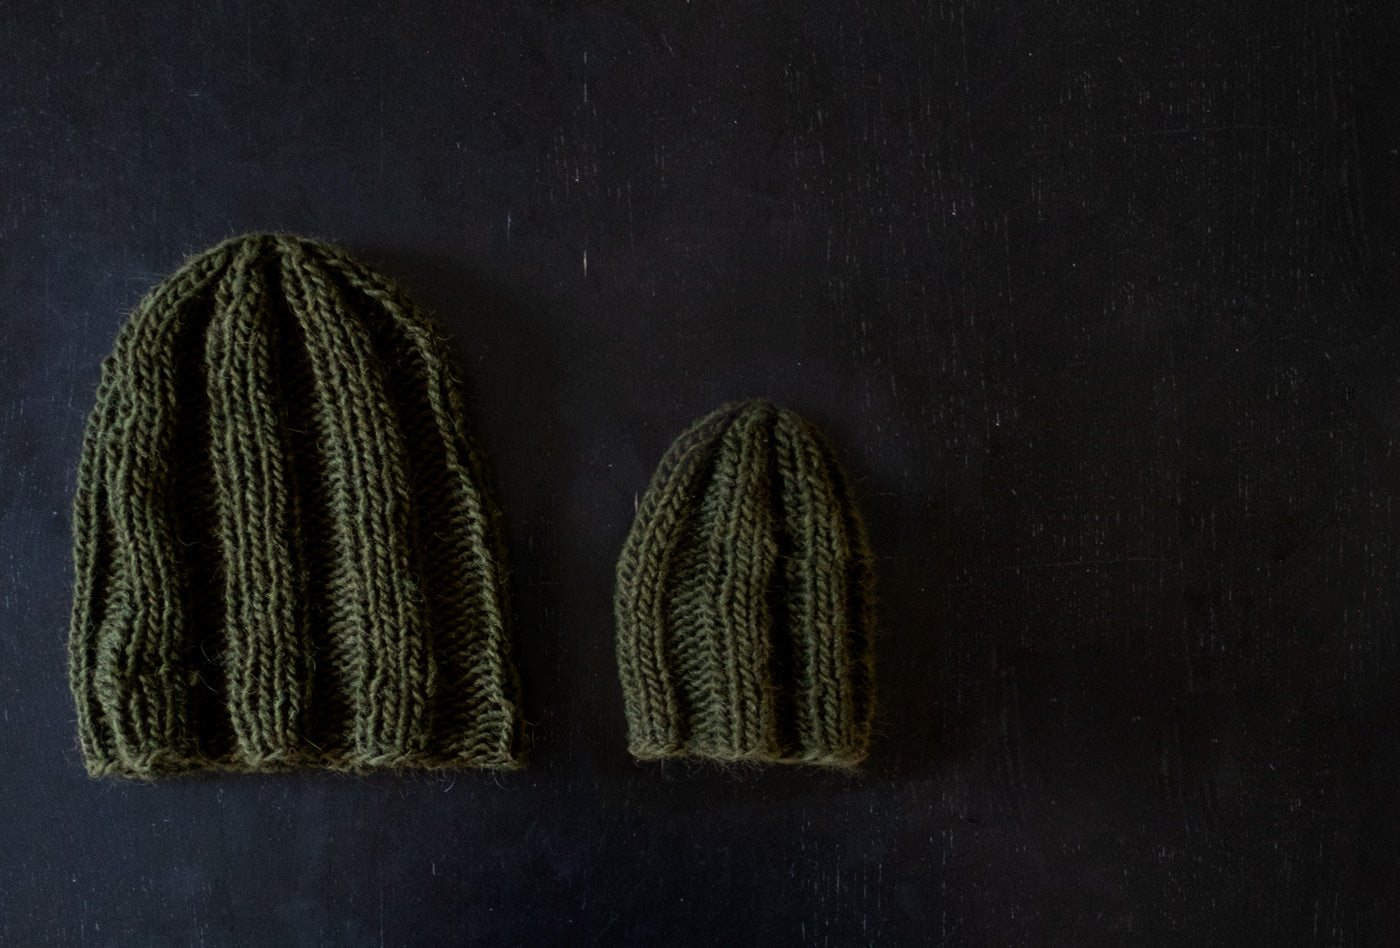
{"points": [[284, 551], [743, 604]]}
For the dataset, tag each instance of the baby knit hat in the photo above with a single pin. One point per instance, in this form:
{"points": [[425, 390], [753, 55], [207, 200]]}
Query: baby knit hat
{"points": [[744, 601], [284, 550]]}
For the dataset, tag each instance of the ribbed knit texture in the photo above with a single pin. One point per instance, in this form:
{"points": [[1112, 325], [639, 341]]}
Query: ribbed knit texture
{"points": [[744, 602], [284, 551]]}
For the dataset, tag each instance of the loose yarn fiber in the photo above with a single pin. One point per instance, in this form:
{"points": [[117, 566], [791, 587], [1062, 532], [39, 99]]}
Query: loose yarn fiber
{"points": [[284, 551], [744, 601]]}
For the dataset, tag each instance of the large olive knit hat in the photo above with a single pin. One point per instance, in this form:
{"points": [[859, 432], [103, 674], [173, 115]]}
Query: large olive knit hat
{"points": [[285, 554], [744, 604]]}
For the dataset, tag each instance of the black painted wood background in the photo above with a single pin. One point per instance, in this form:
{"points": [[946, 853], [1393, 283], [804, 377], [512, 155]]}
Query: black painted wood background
{"points": [[1095, 297]]}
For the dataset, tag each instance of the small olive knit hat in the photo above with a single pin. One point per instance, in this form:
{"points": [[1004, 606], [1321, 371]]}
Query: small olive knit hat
{"points": [[744, 602], [284, 550]]}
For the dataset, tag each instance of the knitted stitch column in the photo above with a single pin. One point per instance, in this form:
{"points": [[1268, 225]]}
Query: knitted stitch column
{"points": [[285, 554], [744, 605]]}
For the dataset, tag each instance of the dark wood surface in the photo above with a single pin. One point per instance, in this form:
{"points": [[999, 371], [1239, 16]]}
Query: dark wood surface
{"points": [[1096, 298]]}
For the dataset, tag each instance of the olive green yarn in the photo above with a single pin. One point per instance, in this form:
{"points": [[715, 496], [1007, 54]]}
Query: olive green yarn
{"points": [[744, 599], [284, 551]]}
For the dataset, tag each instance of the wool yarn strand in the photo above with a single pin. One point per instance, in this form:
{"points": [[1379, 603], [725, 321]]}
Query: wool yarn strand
{"points": [[139, 690], [652, 692], [466, 622]]}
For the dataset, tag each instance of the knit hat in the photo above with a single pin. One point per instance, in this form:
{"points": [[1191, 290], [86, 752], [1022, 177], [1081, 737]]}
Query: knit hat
{"points": [[744, 605], [284, 551]]}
